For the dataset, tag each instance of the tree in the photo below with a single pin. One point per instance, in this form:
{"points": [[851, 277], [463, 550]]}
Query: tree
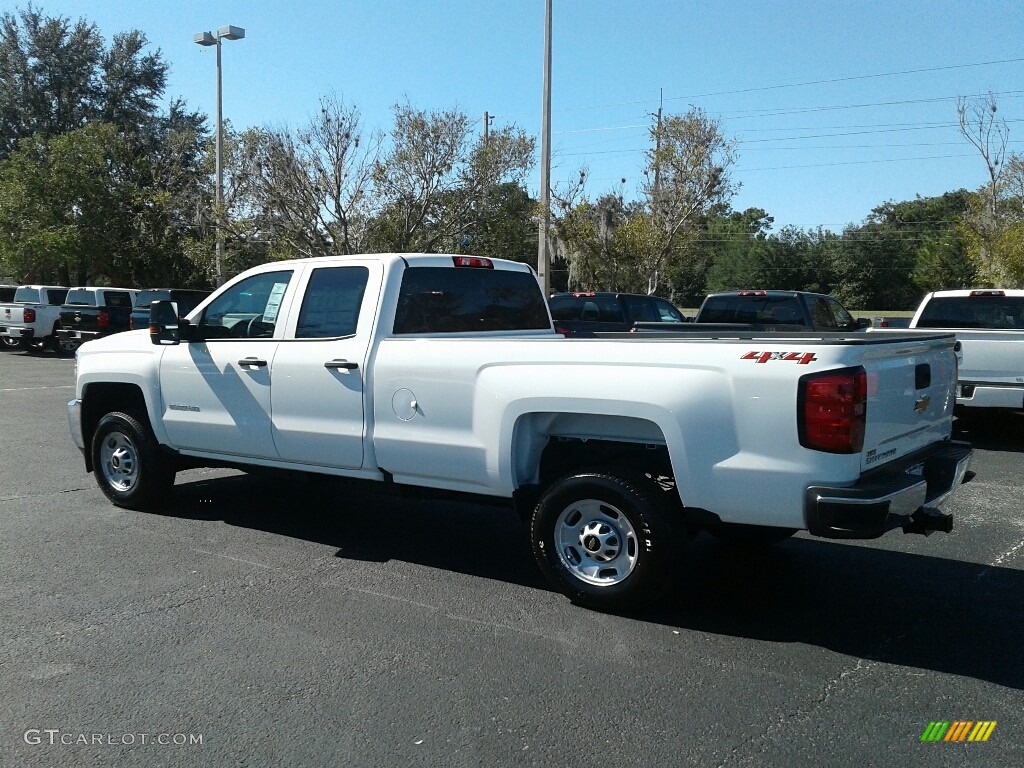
{"points": [[56, 77], [738, 245], [653, 245], [57, 200], [686, 180], [993, 224], [434, 181], [308, 190]]}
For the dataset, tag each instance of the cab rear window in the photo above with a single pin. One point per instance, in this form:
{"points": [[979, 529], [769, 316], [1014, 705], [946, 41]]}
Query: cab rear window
{"points": [[750, 310], [996, 312], [604, 309], [461, 300]]}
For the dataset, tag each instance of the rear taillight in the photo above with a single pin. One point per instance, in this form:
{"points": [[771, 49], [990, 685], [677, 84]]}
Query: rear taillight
{"points": [[563, 330], [29, 316], [752, 293], [832, 410], [131, 323], [103, 319]]}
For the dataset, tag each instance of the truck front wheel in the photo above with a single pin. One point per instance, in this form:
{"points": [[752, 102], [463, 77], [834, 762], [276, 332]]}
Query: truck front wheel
{"points": [[127, 463], [604, 539]]}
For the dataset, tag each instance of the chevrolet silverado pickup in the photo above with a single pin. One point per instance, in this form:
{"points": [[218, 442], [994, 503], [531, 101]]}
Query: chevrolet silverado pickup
{"points": [[989, 323], [444, 373], [31, 319], [89, 313], [779, 310], [587, 313]]}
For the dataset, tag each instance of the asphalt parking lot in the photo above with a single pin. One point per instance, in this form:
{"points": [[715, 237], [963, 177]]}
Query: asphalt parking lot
{"points": [[284, 622]]}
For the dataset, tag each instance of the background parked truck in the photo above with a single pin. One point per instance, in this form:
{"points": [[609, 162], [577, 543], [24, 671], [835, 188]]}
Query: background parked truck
{"points": [[32, 319], [989, 324]]}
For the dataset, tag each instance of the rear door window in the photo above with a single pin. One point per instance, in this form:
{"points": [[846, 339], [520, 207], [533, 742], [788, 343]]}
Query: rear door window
{"points": [[641, 309], [467, 299], [668, 313], [821, 315]]}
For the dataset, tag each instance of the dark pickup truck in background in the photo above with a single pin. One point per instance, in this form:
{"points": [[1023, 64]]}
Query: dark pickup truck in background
{"points": [[772, 311], [587, 313], [186, 299], [89, 313]]}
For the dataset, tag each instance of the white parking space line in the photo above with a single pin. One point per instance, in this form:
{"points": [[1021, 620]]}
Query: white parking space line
{"points": [[30, 389]]}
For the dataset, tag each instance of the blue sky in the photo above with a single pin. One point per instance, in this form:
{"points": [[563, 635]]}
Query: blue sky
{"points": [[837, 106]]}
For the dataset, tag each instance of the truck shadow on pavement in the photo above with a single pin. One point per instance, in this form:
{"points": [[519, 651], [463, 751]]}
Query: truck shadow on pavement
{"points": [[870, 603], [1000, 431], [875, 604]]}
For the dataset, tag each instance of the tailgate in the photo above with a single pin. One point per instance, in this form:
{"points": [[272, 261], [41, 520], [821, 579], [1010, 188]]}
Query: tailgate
{"points": [[911, 387], [79, 318], [995, 357], [12, 314]]}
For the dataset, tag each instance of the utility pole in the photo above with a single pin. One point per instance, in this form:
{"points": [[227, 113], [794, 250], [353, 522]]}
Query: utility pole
{"points": [[487, 127], [543, 260], [657, 148]]}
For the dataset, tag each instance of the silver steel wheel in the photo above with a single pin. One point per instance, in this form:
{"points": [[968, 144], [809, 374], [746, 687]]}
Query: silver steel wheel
{"points": [[66, 346], [596, 542], [119, 462]]}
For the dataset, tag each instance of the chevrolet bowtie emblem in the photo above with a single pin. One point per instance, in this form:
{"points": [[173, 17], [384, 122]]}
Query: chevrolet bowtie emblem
{"points": [[922, 405]]}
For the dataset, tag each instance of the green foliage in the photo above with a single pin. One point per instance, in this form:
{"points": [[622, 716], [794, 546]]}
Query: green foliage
{"points": [[56, 77], [434, 184]]}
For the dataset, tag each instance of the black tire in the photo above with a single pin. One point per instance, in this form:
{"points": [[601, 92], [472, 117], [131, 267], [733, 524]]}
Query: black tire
{"points": [[13, 343], [604, 539], [750, 536], [127, 463], [61, 347]]}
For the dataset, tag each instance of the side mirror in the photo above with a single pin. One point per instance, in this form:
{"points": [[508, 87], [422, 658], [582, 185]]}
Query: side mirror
{"points": [[164, 325], [863, 322]]}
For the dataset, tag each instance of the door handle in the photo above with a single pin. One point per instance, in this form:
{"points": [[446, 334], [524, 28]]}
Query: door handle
{"points": [[344, 364], [252, 361]]}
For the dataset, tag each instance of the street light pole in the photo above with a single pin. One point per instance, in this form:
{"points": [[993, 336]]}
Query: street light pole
{"points": [[543, 259], [208, 38]]}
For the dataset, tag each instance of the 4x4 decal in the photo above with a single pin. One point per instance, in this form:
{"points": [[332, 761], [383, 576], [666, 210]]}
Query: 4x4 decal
{"points": [[800, 358]]}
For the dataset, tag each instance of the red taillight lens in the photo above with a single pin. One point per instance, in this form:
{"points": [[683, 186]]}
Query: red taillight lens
{"points": [[131, 323], [103, 319], [29, 316], [832, 410], [563, 330]]}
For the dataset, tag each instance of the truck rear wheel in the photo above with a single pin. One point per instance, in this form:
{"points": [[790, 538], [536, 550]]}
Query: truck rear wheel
{"points": [[127, 463], [603, 538]]}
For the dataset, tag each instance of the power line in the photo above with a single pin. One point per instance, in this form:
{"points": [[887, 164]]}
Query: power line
{"points": [[829, 81], [754, 89]]}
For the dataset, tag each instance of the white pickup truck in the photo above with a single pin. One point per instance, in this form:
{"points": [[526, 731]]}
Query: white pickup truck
{"points": [[444, 372], [32, 319], [989, 324]]}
